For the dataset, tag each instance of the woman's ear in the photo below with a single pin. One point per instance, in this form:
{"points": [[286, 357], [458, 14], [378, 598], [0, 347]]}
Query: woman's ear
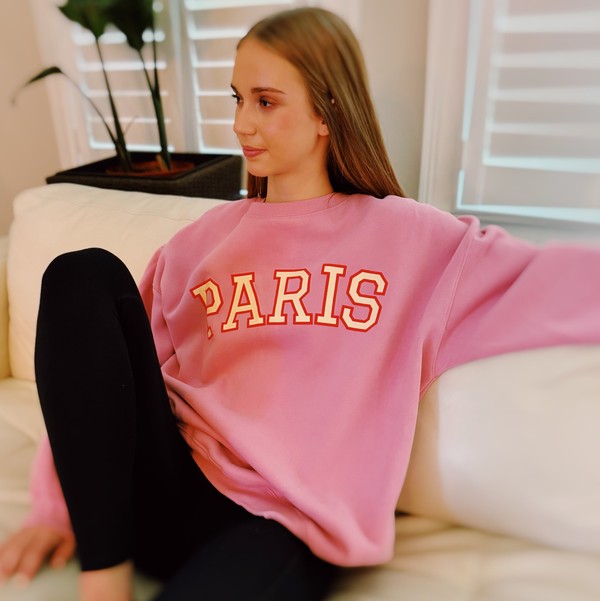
{"points": [[323, 128]]}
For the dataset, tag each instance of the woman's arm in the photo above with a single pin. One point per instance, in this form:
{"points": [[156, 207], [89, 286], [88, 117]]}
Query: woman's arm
{"points": [[46, 533]]}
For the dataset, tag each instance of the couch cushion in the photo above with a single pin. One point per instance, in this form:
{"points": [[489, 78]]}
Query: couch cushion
{"points": [[511, 444], [62, 217], [437, 562]]}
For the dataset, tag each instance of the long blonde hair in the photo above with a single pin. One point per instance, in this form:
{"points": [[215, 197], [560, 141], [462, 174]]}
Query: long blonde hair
{"points": [[325, 51]]}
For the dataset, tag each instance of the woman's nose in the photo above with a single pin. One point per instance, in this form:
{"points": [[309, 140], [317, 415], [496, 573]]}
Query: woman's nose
{"points": [[242, 123]]}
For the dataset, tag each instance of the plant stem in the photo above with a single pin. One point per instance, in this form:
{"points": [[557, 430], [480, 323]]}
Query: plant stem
{"points": [[160, 116], [120, 145], [158, 111]]}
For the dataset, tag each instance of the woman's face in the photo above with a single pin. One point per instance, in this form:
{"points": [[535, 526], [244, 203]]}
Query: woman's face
{"points": [[280, 135]]}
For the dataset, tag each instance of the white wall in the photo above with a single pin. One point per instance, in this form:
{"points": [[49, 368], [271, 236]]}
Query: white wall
{"points": [[394, 38], [28, 148]]}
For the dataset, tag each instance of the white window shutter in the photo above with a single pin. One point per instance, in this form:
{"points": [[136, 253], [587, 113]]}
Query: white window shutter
{"points": [[529, 137]]}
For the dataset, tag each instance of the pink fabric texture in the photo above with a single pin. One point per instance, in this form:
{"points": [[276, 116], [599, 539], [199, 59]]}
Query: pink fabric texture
{"points": [[297, 339]]}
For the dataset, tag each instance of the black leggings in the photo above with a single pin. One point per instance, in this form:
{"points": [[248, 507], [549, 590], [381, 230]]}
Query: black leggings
{"points": [[131, 485]]}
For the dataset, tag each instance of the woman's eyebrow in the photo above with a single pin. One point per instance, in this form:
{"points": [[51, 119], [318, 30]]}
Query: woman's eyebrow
{"points": [[260, 90]]}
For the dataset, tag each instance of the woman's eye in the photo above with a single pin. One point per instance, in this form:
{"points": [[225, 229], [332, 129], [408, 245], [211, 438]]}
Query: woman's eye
{"points": [[237, 98], [265, 103]]}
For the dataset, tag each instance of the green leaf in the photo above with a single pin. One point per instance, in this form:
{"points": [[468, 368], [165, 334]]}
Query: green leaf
{"points": [[132, 17], [93, 15], [41, 75], [44, 73]]}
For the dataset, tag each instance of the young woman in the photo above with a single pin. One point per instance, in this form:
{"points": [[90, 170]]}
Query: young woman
{"points": [[290, 334]]}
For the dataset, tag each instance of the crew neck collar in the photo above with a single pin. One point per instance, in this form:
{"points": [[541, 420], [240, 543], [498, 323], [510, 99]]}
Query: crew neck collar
{"points": [[296, 207]]}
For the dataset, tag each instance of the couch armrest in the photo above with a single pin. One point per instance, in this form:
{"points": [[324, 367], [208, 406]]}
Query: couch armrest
{"points": [[4, 356]]}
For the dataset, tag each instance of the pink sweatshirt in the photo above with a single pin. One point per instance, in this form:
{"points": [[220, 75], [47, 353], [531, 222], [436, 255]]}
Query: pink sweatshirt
{"points": [[296, 340]]}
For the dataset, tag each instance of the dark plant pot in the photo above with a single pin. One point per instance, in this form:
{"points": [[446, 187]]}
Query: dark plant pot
{"points": [[200, 175]]}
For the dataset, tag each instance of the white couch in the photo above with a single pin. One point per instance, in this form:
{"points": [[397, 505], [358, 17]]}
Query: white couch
{"points": [[503, 492]]}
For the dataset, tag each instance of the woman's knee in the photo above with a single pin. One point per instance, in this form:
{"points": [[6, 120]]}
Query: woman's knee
{"points": [[93, 268]]}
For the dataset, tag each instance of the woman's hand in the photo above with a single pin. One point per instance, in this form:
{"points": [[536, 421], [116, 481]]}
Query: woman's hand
{"points": [[24, 553]]}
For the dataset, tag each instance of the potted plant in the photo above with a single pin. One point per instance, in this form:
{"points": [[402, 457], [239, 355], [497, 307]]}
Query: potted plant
{"points": [[165, 172]]}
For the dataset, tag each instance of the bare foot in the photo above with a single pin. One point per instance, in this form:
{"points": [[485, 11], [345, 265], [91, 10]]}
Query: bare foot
{"points": [[110, 584]]}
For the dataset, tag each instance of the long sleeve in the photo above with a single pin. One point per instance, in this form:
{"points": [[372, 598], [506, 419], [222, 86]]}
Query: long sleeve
{"points": [[512, 295], [48, 503]]}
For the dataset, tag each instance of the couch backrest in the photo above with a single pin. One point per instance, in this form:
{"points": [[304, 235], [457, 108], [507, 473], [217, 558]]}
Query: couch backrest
{"points": [[57, 218]]}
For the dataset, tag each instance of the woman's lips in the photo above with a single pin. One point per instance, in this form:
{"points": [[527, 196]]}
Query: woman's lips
{"points": [[251, 152]]}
